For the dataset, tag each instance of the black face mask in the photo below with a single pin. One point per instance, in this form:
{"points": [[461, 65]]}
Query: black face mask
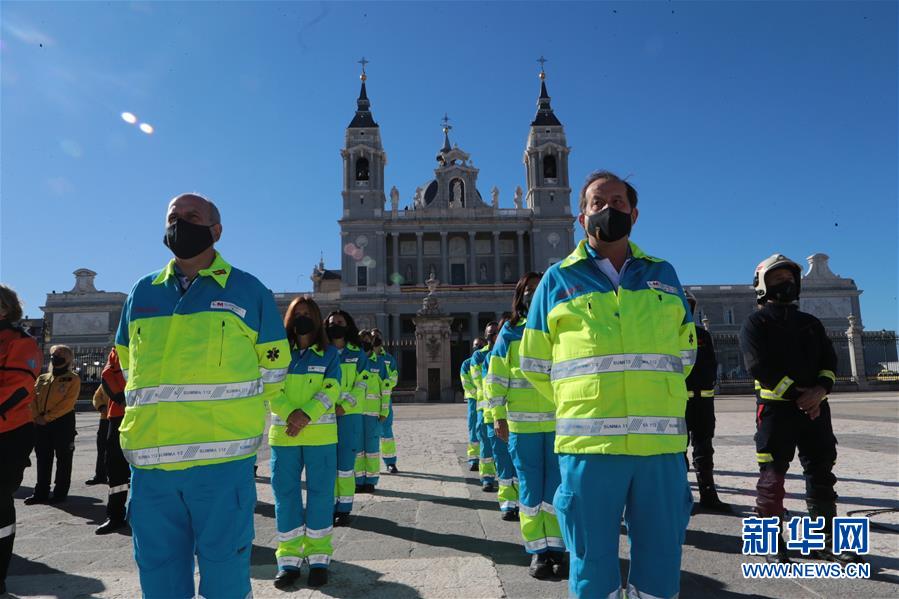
{"points": [[303, 325], [609, 224], [336, 331], [785, 292], [377, 342], [366, 345], [187, 240], [525, 304], [58, 361]]}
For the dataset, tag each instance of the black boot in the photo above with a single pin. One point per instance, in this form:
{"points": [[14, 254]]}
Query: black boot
{"points": [[473, 467], [286, 578], [708, 495], [109, 526], [318, 577], [540, 568], [489, 487], [391, 469], [783, 555], [511, 516], [342, 519], [559, 561], [828, 511]]}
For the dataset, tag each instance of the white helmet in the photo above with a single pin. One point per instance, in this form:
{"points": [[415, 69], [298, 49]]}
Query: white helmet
{"points": [[767, 265]]}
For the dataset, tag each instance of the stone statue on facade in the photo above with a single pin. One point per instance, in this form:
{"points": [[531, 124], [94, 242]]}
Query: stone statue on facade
{"points": [[456, 202], [418, 198], [495, 193], [394, 198], [430, 306], [517, 197]]}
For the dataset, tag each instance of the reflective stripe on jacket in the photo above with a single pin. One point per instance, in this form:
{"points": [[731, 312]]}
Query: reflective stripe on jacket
{"points": [[510, 395], [199, 366], [478, 369], [353, 385], [313, 386], [614, 361], [468, 388]]}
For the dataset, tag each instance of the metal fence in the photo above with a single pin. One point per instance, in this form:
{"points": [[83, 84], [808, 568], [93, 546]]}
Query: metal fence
{"points": [[880, 356]]}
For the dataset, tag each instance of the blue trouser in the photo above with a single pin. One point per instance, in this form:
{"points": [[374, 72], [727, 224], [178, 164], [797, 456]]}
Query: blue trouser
{"points": [[505, 472], [537, 466], [473, 442], [349, 443], [368, 461], [487, 468], [388, 443], [304, 532], [205, 511], [653, 494]]}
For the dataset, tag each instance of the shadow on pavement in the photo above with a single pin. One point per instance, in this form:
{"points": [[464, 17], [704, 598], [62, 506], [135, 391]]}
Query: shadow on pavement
{"points": [[461, 502], [29, 578], [796, 476], [89, 508], [697, 585], [473, 480], [500, 552], [344, 580]]}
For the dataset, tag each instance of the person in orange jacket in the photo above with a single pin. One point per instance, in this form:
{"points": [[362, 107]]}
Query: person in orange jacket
{"points": [[20, 365], [53, 409], [117, 470]]}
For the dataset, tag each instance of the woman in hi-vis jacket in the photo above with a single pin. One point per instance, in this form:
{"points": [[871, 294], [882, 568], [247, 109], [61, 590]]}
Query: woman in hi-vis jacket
{"points": [[303, 435]]}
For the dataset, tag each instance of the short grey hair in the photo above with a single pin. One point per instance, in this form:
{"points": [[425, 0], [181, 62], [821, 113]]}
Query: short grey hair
{"points": [[10, 303], [215, 217]]}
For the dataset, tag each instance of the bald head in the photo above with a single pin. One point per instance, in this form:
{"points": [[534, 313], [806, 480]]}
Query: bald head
{"points": [[194, 209]]}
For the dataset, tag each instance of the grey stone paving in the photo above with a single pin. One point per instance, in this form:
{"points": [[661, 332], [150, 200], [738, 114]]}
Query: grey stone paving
{"points": [[431, 532]]}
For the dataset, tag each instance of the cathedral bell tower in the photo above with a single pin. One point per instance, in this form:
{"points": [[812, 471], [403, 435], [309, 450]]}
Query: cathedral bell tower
{"points": [[549, 191], [363, 162], [362, 223]]}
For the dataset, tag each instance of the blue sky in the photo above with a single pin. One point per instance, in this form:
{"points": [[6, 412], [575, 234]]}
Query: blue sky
{"points": [[748, 128]]}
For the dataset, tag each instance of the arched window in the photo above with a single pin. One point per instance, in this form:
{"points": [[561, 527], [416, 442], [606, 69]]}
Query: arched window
{"points": [[362, 169], [549, 167]]}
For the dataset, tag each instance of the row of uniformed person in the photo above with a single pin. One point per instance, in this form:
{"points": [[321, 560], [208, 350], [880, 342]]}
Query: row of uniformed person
{"points": [[587, 383]]}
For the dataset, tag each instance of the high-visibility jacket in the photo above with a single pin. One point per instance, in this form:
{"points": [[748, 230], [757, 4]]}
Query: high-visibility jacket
{"points": [[468, 388], [313, 386], [377, 374], [479, 364], [113, 383], [614, 361], [353, 378], [380, 361], [20, 365], [510, 395], [200, 365], [55, 395], [388, 383]]}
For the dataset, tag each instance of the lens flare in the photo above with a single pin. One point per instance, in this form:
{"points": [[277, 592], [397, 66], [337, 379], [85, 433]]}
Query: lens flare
{"points": [[397, 278], [129, 118], [146, 128]]}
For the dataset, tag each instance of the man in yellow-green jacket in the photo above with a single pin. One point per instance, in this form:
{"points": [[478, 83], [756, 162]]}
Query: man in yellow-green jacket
{"points": [[202, 347], [610, 338]]}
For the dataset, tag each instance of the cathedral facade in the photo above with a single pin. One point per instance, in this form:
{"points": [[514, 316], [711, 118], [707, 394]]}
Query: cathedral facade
{"points": [[475, 249]]}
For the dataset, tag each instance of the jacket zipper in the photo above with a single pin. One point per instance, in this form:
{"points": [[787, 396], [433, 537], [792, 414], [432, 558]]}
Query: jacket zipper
{"points": [[222, 345]]}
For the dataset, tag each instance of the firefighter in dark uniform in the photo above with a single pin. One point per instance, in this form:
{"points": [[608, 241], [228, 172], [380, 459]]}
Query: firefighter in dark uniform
{"points": [[793, 363], [700, 415]]}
